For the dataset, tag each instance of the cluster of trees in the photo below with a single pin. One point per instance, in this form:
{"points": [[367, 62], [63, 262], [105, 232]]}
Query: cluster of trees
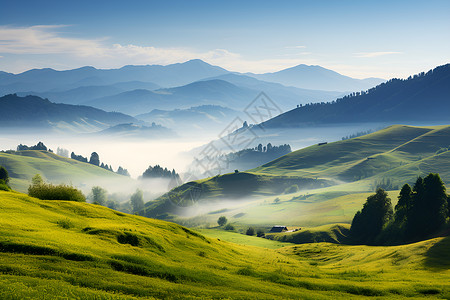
{"points": [[38, 146], [135, 205], [158, 172], [47, 191], [282, 149], [95, 160], [420, 212], [359, 133]]}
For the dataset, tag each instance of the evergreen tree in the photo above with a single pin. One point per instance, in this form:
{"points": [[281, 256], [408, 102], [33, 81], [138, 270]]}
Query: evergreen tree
{"points": [[430, 208], [95, 159], [436, 198], [404, 204], [369, 222]]}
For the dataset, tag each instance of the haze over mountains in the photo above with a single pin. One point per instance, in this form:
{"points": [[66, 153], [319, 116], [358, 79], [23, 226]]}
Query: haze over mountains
{"points": [[35, 112], [421, 98], [159, 85]]}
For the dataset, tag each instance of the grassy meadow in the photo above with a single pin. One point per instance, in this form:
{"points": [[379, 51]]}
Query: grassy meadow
{"points": [[23, 165], [52, 249]]}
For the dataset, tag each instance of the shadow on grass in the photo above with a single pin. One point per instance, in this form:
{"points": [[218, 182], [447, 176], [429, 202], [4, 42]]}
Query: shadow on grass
{"points": [[438, 256]]}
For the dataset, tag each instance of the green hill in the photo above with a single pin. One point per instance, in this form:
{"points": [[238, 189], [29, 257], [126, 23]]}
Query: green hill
{"points": [[394, 155], [23, 165], [59, 249]]}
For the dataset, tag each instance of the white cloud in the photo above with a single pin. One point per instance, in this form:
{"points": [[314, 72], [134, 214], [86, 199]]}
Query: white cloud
{"points": [[295, 47], [376, 54], [46, 40]]}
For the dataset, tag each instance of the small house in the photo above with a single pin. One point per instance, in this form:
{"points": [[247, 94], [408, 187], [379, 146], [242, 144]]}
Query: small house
{"points": [[278, 228]]}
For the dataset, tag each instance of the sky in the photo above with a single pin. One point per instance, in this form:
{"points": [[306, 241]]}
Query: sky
{"points": [[360, 39]]}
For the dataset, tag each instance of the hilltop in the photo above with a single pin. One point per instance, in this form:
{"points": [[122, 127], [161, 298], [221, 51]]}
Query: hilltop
{"points": [[71, 249], [23, 165]]}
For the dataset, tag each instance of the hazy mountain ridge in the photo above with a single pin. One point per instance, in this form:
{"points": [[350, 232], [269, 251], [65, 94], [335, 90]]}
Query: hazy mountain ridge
{"points": [[423, 97], [33, 111], [317, 78]]}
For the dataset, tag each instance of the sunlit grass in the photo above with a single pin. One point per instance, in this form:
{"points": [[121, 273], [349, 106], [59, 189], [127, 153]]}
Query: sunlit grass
{"points": [[64, 249]]}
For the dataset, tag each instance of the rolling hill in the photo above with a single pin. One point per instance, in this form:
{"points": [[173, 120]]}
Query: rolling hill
{"points": [[420, 98], [23, 165], [398, 153], [318, 78], [52, 249], [35, 112]]}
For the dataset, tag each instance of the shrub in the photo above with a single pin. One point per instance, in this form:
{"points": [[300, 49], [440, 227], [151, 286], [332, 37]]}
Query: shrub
{"points": [[250, 231], [47, 191], [4, 186], [229, 227], [4, 175], [260, 233], [292, 189]]}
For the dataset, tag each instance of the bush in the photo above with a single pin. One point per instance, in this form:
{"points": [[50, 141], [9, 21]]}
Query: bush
{"points": [[4, 186], [4, 175], [250, 231], [48, 191], [292, 189], [229, 227], [260, 233]]}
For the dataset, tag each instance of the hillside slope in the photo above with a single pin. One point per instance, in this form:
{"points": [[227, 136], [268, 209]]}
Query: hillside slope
{"points": [[421, 98], [397, 154], [23, 165], [52, 249]]}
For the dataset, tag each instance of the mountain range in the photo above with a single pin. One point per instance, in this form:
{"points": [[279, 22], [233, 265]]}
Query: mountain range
{"points": [[317, 78], [420, 98], [158, 85], [35, 112]]}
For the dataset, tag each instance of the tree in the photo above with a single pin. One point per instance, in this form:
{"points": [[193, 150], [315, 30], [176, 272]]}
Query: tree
{"points": [[4, 174], [404, 204], [137, 201], [99, 195], [222, 221], [260, 148], [250, 231], [429, 209], [95, 159], [37, 180], [368, 223], [260, 233], [111, 204]]}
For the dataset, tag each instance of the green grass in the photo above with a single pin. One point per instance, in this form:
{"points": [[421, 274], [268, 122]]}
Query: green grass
{"points": [[51, 249], [23, 165], [241, 239], [398, 153]]}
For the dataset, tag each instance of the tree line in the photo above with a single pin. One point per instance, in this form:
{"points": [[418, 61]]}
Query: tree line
{"points": [[421, 211]]}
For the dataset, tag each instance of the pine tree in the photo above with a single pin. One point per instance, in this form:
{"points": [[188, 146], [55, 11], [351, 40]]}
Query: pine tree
{"points": [[404, 204]]}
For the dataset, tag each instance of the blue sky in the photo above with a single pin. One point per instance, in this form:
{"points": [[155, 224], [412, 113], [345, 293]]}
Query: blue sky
{"points": [[356, 38]]}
